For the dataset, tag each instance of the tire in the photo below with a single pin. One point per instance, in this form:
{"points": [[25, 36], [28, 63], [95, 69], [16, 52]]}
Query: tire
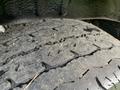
{"points": [[14, 9], [58, 54], [111, 26]]}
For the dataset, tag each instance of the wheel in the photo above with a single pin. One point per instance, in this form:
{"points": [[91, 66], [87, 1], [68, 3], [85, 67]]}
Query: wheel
{"points": [[58, 54]]}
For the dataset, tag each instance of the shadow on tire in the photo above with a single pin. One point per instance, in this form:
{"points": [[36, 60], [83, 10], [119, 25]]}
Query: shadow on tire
{"points": [[110, 26]]}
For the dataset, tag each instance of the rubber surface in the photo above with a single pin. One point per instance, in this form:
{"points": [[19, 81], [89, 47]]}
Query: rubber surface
{"points": [[63, 54]]}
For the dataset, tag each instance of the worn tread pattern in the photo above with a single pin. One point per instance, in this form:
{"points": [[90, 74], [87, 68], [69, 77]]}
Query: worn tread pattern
{"points": [[66, 54]]}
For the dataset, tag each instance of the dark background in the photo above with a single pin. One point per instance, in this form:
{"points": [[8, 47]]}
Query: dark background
{"points": [[10, 9]]}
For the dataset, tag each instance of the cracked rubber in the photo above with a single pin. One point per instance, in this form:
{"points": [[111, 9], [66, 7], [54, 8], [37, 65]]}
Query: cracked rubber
{"points": [[66, 54]]}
